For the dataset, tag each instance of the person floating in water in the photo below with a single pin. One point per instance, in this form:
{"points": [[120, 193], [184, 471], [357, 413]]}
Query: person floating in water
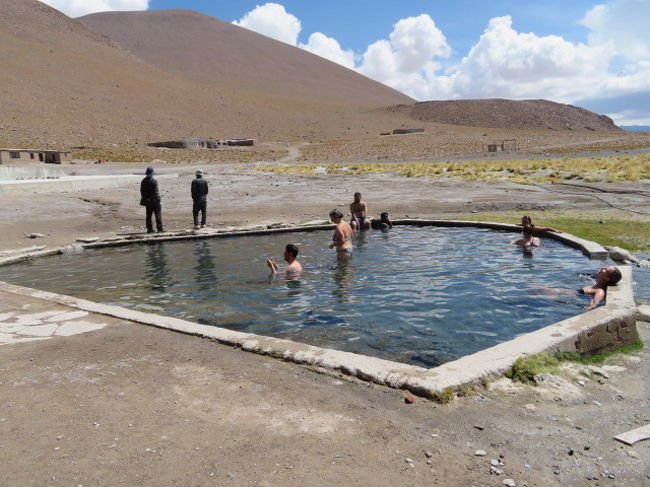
{"points": [[607, 276], [199, 189], [342, 238], [527, 221], [528, 241], [293, 268], [382, 224], [359, 212], [150, 199]]}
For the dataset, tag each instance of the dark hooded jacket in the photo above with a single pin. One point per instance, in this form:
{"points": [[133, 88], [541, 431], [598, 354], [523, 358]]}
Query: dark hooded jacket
{"points": [[199, 189], [149, 188]]}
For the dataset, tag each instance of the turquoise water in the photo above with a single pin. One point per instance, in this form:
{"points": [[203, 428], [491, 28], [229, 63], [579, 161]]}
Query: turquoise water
{"points": [[420, 295]]}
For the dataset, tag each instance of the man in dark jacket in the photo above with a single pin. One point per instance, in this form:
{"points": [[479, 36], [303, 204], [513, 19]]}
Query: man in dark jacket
{"points": [[150, 198], [199, 196]]}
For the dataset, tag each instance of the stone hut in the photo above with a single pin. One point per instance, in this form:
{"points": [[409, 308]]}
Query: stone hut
{"points": [[16, 156]]}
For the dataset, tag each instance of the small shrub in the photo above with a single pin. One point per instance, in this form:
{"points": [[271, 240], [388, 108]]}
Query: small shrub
{"points": [[526, 368], [445, 396]]}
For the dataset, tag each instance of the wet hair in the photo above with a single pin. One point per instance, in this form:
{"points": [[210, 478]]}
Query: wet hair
{"points": [[529, 230], [614, 277], [292, 249], [336, 214], [526, 220], [357, 194]]}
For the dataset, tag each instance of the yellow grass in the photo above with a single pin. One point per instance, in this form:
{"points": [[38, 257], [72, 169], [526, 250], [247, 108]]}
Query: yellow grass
{"points": [[524, 171], [149, 154], [607, 227]]}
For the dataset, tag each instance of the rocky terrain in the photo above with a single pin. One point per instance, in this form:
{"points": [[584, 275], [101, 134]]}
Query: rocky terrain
{"points": [[508, 114]]}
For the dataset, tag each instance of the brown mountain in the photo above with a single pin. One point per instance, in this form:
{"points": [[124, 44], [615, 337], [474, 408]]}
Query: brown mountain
{"points": [[508, 114], [209, 50], [63, 83]]}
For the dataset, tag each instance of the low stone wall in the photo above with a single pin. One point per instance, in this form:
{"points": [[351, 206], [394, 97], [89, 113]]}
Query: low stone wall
{"points": [[40, 171], [65, 184]]}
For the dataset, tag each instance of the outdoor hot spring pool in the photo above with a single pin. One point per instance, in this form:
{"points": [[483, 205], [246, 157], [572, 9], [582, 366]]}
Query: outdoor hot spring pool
{"points": [[419, 295]]}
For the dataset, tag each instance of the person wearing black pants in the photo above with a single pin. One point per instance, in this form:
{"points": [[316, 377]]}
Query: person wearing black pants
{"points": [[150, 199], [199, 197]]}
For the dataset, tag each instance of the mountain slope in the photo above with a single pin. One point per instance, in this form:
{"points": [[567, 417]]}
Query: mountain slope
{"points": [[64, 84], [209, 50], [508, 114]]}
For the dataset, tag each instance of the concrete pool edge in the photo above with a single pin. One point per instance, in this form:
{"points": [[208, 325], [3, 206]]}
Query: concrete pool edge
{"points": [[591, 249], [604, 328]]}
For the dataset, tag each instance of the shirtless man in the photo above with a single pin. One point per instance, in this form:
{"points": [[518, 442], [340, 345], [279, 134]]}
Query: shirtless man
{"points": [[359, 212], [294, 268]]}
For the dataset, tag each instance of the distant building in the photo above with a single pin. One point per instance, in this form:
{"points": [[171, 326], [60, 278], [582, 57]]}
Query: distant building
{"points": [[187, 144], [11, 156], [200, 143]]}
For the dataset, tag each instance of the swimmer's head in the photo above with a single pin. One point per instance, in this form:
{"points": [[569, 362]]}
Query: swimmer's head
{"points": [[612, 274], [357, 196], [336, 215], [290, 251], [384, 216], [526, 220]]}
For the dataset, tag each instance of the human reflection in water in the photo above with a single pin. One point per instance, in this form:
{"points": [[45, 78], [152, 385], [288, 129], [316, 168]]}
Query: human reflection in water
{"points": [[205, 269], [343, 276], [156, 270]]}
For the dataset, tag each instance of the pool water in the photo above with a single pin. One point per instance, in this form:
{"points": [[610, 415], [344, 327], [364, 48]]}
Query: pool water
{"points": [[419, 295]]}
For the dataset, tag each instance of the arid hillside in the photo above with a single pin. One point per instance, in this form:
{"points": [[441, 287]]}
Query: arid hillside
{"points": [[63, 84], [508, 114], [209, 50]]}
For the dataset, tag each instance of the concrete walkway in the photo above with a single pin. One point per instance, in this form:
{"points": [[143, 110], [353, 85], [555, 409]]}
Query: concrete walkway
{"points": [[28, 319]]}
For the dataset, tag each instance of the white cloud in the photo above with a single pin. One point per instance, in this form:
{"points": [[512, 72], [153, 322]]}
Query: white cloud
{"points": [[505, 63], [621, 24], [509, 64], [407, 60], [272, 20], [329, 48], [77, 8]]}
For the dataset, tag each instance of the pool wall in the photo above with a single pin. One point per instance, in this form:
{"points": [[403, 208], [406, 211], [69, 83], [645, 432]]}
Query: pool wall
{"points": [[605, 328]]}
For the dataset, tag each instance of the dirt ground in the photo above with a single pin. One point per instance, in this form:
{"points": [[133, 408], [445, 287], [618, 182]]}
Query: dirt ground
{"points": [[130, 405], [241, 196]]}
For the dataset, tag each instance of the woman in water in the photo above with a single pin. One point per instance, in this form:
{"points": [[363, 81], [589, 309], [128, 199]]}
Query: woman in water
{"points": [[607, 276], [528, 239], [342, 238], [527, 221]]}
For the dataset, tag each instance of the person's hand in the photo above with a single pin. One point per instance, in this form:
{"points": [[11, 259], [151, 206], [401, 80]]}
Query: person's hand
{"points": [[331, 246], [587, 308]]}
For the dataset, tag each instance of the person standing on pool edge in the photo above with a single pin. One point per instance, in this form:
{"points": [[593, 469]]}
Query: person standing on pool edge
{"points": [[359, 212], [150, 199], [199, 198]]}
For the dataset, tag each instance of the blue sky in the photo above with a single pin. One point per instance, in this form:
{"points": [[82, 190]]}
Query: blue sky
{"points": [[358, 23], [587, 53]]}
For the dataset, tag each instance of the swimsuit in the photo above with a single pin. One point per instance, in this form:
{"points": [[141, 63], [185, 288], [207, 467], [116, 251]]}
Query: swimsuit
{"points": [[361, 220]]}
